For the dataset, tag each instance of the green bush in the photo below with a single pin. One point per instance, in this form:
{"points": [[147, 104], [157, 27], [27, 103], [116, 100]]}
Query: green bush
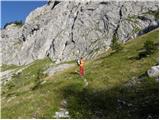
{"points": [[115, 44], [150, 47], [18, 23]]}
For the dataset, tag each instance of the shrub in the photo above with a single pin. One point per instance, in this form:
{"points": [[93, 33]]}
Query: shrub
{"points": [[18, 23], [149, 47], [142, 54], [115, 44]]}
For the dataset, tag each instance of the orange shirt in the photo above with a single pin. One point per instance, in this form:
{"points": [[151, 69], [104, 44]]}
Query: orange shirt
{"points": [[81, 62]]}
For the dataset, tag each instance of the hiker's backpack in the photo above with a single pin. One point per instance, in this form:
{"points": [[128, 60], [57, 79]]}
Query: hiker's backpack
{"points": [[78, 62]]}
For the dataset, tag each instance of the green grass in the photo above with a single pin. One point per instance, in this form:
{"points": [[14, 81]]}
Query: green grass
{"points": [[108, 78], [5, 67]]}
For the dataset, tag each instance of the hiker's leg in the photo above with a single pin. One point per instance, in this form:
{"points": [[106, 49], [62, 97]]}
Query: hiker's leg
{"points": [[83, 71], [80, 71]]}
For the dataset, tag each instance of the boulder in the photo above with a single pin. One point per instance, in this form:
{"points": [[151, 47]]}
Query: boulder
{"points": [[153, 71], [58, 68], [6, 76]]}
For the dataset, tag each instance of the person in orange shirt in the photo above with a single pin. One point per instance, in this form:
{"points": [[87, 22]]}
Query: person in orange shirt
{"points": [[81, 67]]}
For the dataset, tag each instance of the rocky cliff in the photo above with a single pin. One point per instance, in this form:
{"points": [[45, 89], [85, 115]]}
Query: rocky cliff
{"points": [[65, 30]]}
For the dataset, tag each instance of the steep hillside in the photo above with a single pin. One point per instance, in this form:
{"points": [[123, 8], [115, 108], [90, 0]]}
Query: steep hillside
{"points": [[118, 87], [66, 30]]}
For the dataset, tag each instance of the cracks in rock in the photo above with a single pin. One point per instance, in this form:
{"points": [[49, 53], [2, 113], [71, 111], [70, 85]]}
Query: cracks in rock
{"points": [[104, 3], [72, 37], [81, 9], [53, 45], [34, 29], [31, 31], [64, 48], [75, 19], [71, 32], [90, 9], [66, 43], [116, 30], [81, 21], [50, 48], [49, 2], [55, 3], [144, 18], [72, 27], [105, 18], [120, 14], [33, 56], [23, 38], [4, 35]]}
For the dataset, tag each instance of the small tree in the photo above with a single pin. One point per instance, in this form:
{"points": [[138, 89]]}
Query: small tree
{"points": [[18, 23], [115, 44], [149, 47]]}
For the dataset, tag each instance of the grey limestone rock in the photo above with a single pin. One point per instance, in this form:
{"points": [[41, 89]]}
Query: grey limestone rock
{"points": [[58, 68], [153, 71], [6, 76], [66, 30]]}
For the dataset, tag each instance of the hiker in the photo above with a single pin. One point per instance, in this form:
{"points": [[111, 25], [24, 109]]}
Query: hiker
{"points": [[81, 67]]}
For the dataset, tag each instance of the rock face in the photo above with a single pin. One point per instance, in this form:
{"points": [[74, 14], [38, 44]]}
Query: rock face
{"points": [[54, 69], [6, 76], [64, 30]]}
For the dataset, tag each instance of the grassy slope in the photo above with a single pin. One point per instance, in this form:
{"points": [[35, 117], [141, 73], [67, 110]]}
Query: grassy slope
{"points": [[8, 67], [107, 77]]}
